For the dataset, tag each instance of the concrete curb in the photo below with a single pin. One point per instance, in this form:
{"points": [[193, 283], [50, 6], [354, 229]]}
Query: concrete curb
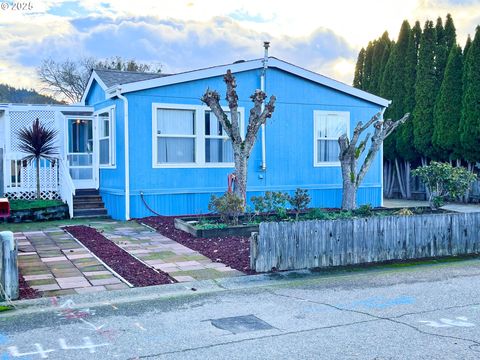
{"points": [[194, 288]]}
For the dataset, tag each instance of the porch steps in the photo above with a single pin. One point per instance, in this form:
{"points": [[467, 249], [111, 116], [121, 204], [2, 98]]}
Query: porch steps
{"points": [[87, 203]]}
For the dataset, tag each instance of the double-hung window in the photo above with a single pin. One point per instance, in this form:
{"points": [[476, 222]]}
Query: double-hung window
{"points": [[106, 146], [218, 146], [190, 136], [328, 127], [175, 136]]}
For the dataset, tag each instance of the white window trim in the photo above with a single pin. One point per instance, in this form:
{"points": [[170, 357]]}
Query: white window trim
{"points": [[327, 112], [111, 144], [199, 136]]}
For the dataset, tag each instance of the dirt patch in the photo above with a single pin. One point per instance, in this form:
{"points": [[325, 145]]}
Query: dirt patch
{"points": [[132, 270], [26, 292], [233, 251]]}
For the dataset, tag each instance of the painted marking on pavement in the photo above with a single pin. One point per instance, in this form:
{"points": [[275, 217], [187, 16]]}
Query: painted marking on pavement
{"points": [[381, 302], [459, 321]]}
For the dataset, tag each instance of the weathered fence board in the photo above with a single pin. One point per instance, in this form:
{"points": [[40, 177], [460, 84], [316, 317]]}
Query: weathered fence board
{"points": [[9, 289], [324, 243]]}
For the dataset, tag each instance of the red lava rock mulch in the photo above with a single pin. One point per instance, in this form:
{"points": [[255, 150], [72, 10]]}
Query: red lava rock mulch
{"points": [[25, 291], [233, 251], [132, 270]]}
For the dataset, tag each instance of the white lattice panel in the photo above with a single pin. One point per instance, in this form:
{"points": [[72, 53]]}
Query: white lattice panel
{"points": [[22, 119], [32, 195]]}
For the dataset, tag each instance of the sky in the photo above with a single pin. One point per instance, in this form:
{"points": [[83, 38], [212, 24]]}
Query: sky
{"points": [[179, 35]]}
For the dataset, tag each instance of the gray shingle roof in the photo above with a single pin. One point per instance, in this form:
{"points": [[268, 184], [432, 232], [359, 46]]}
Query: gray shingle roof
{"points": [[115, 77]]}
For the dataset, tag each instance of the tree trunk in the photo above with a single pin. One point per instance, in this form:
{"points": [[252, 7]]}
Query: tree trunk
{"points": [[400, 181], [408, 189], [37, 163], [349, 195], [427, 191], [241, 162]]}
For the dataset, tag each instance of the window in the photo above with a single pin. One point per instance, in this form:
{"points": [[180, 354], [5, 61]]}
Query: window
{"points": [[175, 136], [190, 136], [328, 127], [106, 146], [218, 146]]}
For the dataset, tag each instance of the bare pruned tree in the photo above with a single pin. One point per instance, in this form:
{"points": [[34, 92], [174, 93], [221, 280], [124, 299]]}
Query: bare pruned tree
{"points": [[242, 148], [350, 153], [68, 79]]}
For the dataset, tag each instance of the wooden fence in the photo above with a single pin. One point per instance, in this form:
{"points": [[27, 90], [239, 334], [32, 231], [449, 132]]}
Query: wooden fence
{"points": [[326, 243]]}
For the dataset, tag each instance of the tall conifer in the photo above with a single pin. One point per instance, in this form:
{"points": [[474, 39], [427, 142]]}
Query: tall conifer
{"points": [[359, 66], [426, 92]]}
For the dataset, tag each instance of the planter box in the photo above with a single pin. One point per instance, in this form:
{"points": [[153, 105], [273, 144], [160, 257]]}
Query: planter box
{"points": [[330, 243], [58, 212], [188, 225]]}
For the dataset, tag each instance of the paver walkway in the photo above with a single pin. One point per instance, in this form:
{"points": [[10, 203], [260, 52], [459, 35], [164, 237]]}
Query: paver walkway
{"points": [[162, 253], [53, 263]]}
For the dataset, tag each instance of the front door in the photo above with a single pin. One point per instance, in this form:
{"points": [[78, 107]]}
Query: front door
{"points": [[80, 153]]}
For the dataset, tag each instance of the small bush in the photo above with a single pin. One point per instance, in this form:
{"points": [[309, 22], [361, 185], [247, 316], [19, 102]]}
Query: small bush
{"points": [[272, 202], [229, 206], [316, 214], [364, 210], [404, 212], [299, 201], [443, 180]]}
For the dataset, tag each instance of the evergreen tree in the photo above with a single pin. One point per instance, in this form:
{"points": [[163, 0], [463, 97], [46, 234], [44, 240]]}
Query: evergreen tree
{"points": [[426, 92], [359, 67], [450, 33], [448, 109], [470, 119], [381, 50], [441, 51], [405, 131], [468, 44], [367, 69]]}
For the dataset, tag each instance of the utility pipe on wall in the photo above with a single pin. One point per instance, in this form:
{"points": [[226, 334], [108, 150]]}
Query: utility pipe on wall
{"points": [[127, 160], [263, 79]]}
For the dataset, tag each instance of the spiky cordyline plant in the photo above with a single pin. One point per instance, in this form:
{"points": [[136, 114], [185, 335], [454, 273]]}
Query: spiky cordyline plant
{"points": [[38, 141]]}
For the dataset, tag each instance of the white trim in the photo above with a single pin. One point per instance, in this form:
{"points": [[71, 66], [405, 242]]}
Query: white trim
{"points": [[127, 156], [112, 136], [199, 136], [346, 114], [245, 66], [47, 107], [93, 76]]}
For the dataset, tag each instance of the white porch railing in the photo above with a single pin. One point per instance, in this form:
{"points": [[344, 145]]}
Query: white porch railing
{"points": [[66, 185], [21, 179]]}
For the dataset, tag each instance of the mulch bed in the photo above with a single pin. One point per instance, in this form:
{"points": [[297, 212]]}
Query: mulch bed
{"points": [[132, 270], [25, 291], [233, 251]]}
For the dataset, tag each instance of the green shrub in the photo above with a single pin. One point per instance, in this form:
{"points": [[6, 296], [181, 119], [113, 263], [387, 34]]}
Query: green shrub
{"points": [[443, 180], [364, 210], [299, 201], [229, 206], [272, 202]]}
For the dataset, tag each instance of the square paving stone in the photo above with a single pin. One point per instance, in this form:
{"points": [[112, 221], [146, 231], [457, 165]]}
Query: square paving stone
{"points": [[241, 324]]}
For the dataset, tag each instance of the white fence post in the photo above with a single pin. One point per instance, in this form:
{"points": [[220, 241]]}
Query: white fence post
{"points": [[9, 266]]}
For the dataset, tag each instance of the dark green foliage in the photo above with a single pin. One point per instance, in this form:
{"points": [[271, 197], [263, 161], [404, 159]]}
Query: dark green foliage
{"points": [[381, 52], [367, 70], [272, 202], [441, 51], [442, 180], [449, 108], [404, 136], [470, 120], [299, 201], [9, 94], [358, 77], [468, 45], [450, 33], [426, 92], [364, 211], [229, 206]]}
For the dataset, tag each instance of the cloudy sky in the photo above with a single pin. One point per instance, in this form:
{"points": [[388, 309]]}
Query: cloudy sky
{"points": [[324, 36]]}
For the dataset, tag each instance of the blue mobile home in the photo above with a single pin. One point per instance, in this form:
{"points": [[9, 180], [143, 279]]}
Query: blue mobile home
{"points": [[177, 155]]}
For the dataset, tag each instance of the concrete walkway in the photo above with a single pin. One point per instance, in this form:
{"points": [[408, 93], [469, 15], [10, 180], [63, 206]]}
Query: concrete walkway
{"points": [[403, 203], [162, 253], [53, 263]]}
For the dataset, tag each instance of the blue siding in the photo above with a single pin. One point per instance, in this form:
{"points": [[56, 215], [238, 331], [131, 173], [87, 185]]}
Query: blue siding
{"points": [[95, 94], [289, 147]]}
